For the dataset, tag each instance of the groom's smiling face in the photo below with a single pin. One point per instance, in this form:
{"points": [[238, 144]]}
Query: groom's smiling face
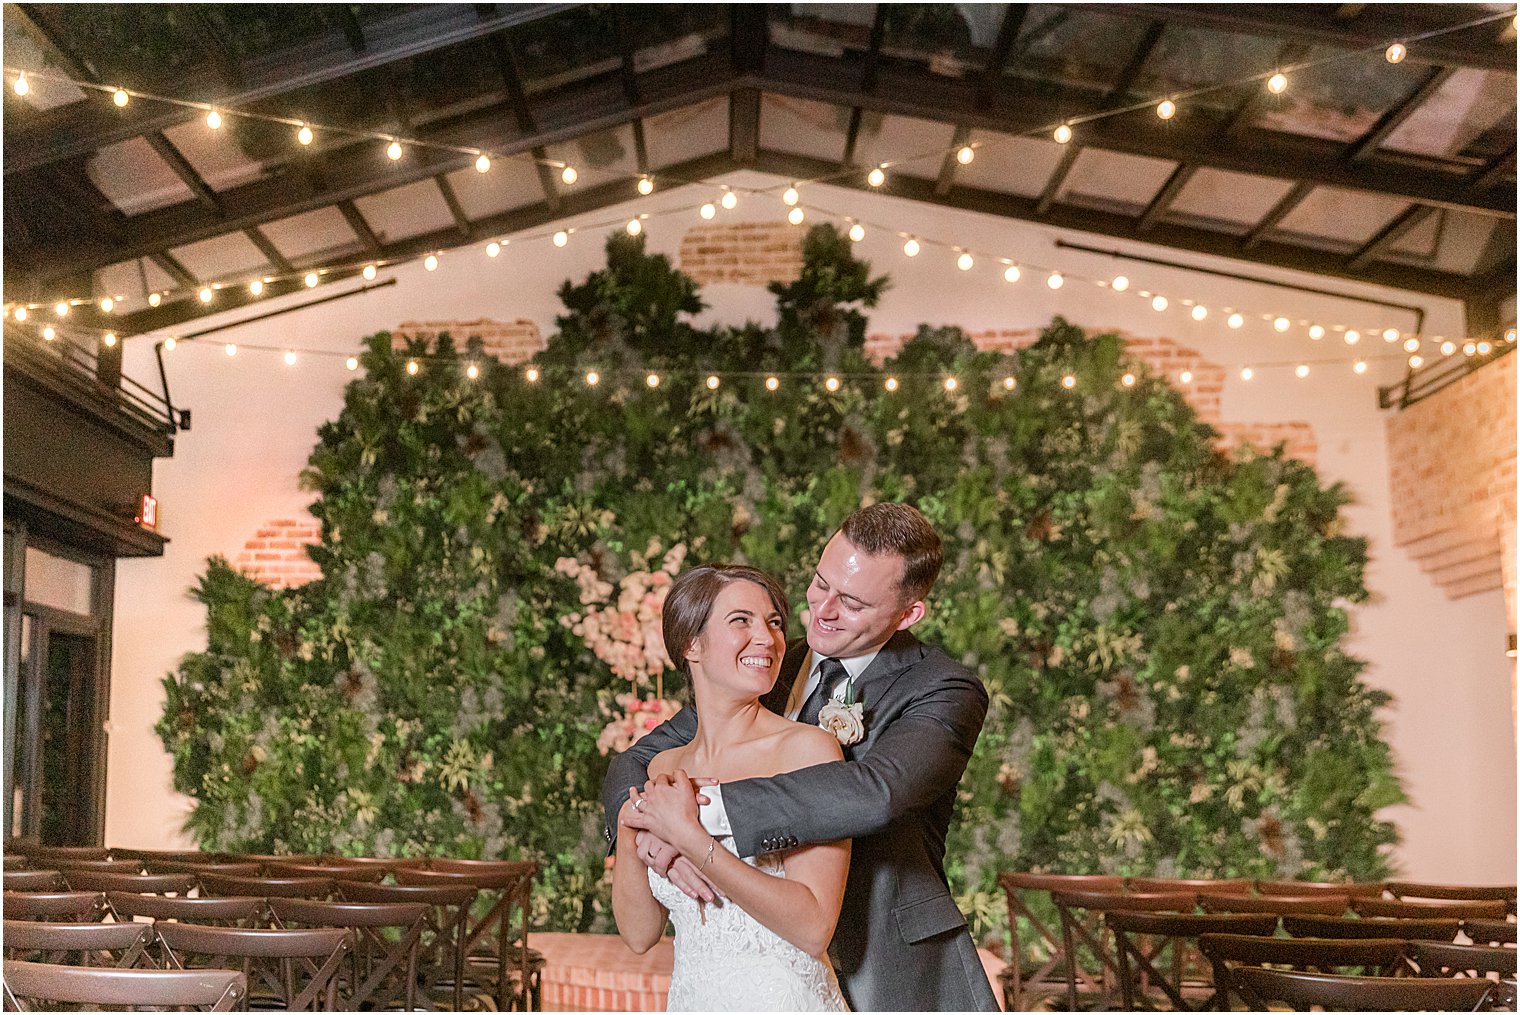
{"points": [[855, 601]]}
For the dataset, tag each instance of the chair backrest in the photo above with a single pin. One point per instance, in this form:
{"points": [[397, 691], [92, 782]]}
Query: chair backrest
{"points": [[347, 914], [389, 963], [313, 870], [387, 864], [1027, 882], [1224, 886], [1189, 925], [1358, 993], [47, 941], [98, 866], [263, 858], [53, 905], [1437, 958], [232, 909], [59, 854], [32, 881], [1129, 902], [269, 888], [181, 855], [299, 966], [235, 870], [1316, 953], [1455, 910], [431, 895], [1418, 890], [208, 989], [1343, 927], [1489, 932], [1327, 905], [143, 884], [1355, 889]]}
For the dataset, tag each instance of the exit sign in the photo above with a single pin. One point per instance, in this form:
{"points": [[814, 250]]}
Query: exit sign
{"points": [[147, 515]]}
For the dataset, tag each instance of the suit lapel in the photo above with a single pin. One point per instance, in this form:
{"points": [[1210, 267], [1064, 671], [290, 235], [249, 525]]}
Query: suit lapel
{"points": [[901, 651]]}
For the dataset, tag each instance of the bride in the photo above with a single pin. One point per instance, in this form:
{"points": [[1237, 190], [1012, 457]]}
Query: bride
{"points": [[762, 946]]}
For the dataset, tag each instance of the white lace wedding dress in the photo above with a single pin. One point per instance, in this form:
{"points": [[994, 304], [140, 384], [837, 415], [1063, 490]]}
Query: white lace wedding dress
{"points": [[726, 961]]}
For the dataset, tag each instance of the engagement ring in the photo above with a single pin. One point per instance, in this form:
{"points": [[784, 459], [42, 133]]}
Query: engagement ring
{"points": [[638, 804]]}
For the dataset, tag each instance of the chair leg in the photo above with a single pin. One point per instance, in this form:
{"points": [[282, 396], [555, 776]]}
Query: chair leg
{"points": [[1069, 948]]}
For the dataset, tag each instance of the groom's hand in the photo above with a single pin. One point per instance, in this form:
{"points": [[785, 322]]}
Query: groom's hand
{"points": [[664, 860]]}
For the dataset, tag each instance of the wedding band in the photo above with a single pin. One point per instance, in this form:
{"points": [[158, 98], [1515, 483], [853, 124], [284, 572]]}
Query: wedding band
{"points": [[638, 804]]}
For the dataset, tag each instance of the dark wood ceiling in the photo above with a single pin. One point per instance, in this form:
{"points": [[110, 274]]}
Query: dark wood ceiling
{"points": [[521, 79]]}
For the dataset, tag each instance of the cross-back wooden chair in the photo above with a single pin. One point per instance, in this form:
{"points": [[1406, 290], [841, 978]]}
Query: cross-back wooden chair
{"points": [[383, 967], [226, 911], [172, 855], [33, 881], [99, 989], [1363, 956], [1421, 910], [497, 953], [1214, 886], [1355, 889], [268, 888], [1422, 890], [118, 945], [1078, 933], [50, 855], [198, 867], [298, 967], [441, 951], [1325, 905], [1018, 887], [317, 870], [68, 867], [1489, 932], [141, 884], [1371, 926], [1440, 958], [1329, 992], [73, 907], [389, 865], [1174, 931]]}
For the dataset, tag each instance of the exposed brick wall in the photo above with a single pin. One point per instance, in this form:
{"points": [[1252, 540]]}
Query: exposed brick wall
{"points": [[755, 252], [1163, 356], [276, 555], [1451, 462], [510, 342]]}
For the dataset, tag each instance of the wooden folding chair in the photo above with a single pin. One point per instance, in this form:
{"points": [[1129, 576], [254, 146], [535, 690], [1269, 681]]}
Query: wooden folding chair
{"points": [[225, 911], [67, 906], [1355, 889], [388, 865], [97, 988], [268, 888], [1363, 956], [171, 855], [1489, 932], [51, 855], [1371, 926], [317, 870], [441, 951], [1076, 932], [141, 884], [1438, 958], [117, 945], [1417, 890], [384, 968], [33, 881], [1174, 930], [1016, 981], [1423, 910], [1213, 886], [198, 867], [299, 967], [1324, 905], [1329, 992]]}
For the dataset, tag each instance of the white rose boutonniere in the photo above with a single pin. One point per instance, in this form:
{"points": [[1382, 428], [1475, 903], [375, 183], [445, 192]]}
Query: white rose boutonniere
{"points": [[845, 719]]}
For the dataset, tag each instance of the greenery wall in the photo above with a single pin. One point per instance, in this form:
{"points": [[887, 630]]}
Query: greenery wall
{"points": [[1159, 626]]}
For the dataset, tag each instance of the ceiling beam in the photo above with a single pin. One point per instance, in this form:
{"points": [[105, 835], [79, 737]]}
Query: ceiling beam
{"points": [[628, 75], [361, 228], [867, 81], [1402, 224], [174, 269], [461, 220], [1367, 145], [992, 74], [951, 163], [1164, 197], [1320, 24], [222, 57], [747, 44], [504, 59], [271, 253], [1284, 206], [46, 136]]}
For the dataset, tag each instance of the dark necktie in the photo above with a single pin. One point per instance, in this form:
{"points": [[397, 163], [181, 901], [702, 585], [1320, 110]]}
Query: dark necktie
{"points": [[830, 674]]}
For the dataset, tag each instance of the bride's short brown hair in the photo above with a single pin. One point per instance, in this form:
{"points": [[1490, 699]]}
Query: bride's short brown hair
{"points": [[691, 599]]}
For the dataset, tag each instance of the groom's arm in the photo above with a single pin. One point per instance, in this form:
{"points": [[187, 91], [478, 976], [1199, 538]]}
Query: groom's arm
{"points": [[915, 760], [631, 768]]}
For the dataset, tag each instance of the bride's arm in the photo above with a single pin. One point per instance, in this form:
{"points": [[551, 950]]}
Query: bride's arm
{"points": [[640, 919], [803, 907]]}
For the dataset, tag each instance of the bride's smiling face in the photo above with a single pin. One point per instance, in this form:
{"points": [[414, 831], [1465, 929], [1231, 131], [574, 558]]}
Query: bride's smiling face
{"points": [[741, 647]]}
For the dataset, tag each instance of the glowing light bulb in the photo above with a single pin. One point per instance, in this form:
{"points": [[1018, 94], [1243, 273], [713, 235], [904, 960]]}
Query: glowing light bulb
{"points": [[1055, 280], [634, 227], [311, 279], [430, 262], [876, 177], [964, 262], [107, 304], [1012, 273], [1246, 373], [352, 363], [22, 85], [412, 366], [707, 211], [1509, 336], [1484, 348], [48, 334], [1302, 370], [304, 135], [729, 200], [493, 249], [290, 358], [1390, 334], [1316, 332], [1186, 377], [951, 383], [795, 216], [593, 378], [531, 375], [1166, 109], [109, 339], [1277, 83], [1062, 134], [831, 383], [1416, 361], [21, 313], [472, 371], [1119, 284], [154, 299], [1009, 383], [483, 163], [1360, 366], [911, 248], [890, 383], [1448, 347], [1200, 312], [61, 309], [206, 294], [256, 287], [1411, 344], [653, 380], [772, 383], [369, 272], [1469, 348], [790, 195], [561, 238], [1396, 53], [230, 348], [1068, 382], [393, 151], [1128, 380], [1353, 336], [1158, 303], [214, 120], [857, 232], [170, 343], [569, 175], [965, 155], [646, 186], [713, 382], [1235, 321], [120, 97], [1282, 324]]}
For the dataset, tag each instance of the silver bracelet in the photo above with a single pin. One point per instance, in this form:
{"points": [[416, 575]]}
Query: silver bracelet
{"points": [[711, 845]]}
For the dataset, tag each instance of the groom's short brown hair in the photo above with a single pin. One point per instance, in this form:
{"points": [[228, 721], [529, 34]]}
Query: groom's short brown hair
{"points": [[899, 530]]}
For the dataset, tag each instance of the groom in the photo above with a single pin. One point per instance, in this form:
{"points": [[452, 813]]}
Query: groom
{"points": [[901, 943]]}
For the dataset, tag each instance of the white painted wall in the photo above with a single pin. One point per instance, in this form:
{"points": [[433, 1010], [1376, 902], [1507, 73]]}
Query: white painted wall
{"points": [[255, 422]]}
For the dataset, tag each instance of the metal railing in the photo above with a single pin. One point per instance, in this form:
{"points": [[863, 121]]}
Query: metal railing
{"points": [[78, 366]]}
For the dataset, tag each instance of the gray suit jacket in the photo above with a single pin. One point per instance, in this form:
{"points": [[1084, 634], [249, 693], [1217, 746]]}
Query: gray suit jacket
{"points": [[901, 943]]}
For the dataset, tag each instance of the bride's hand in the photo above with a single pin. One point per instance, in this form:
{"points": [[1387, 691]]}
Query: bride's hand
{"points": [[670, 808]]}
